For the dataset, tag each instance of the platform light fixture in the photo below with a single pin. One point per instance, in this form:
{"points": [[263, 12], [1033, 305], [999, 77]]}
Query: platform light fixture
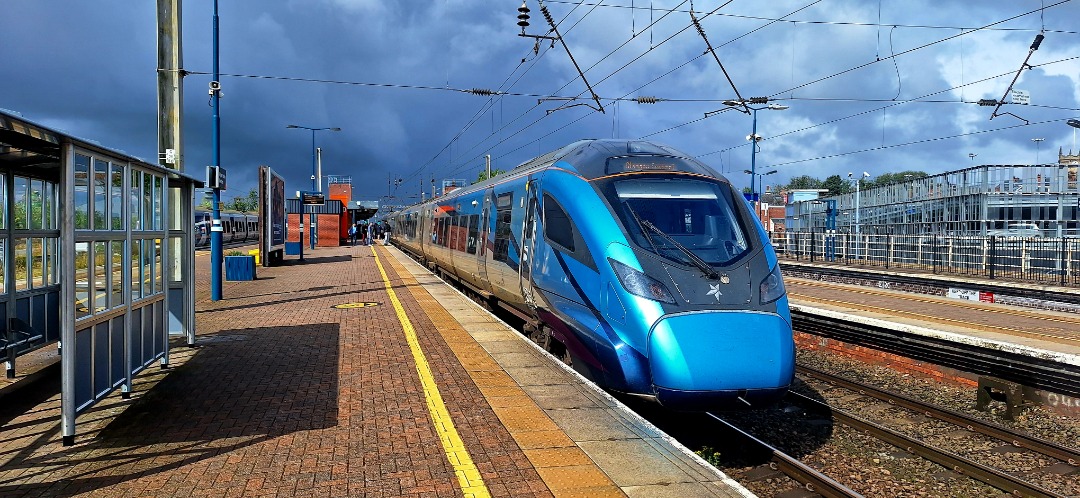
{"points": [[753, 137], [1075, 123], [1038, 142]]}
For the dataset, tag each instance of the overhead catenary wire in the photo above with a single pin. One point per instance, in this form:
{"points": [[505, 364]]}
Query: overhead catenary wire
{"points": [[607, 77], [490, 103], [920, 47], [714, 11], [624, 97], [832, 23], [921, 99], [876, 60], [522, 75], [894, 56], [525, 113], [711, 50], [1031, 51], [914, 142], [883, 146], [500, 93]]}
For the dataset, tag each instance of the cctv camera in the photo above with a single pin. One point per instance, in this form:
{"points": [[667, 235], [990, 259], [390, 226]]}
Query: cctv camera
{"points": [[866, 174], [849, 174]]}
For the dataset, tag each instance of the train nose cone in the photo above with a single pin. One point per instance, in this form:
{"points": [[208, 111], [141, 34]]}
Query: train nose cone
{"points": [[720, 353]]}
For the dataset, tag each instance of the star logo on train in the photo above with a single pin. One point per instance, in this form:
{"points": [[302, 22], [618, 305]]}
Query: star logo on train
{"points": [[714, 290]]}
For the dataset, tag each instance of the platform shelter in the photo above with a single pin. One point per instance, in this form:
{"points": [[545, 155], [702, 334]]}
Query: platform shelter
{"points": [[96, 252]]}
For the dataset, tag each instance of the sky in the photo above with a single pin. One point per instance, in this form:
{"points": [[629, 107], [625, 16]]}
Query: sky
{"points": [[877, 86]]}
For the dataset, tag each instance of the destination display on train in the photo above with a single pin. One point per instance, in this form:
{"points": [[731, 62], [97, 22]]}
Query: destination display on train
{"points": [[643, 163]]}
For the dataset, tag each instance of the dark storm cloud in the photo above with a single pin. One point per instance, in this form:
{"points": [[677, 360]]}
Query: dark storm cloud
{"points": [[88, 67]]}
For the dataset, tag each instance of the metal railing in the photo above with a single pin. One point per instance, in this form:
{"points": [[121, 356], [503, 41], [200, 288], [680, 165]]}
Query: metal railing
{"points": [[1045, 260]]}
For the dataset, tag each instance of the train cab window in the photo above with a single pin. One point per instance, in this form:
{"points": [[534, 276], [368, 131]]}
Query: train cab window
{"points": [[697, 215], [557, 225], [503, 206]]}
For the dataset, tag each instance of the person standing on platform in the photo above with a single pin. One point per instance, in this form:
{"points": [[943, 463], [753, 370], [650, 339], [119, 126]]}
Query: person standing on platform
{"points": [[352, 235], [370, 232]]}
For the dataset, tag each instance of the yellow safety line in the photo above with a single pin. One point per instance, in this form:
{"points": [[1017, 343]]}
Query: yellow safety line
{"points": [[472, 485]]}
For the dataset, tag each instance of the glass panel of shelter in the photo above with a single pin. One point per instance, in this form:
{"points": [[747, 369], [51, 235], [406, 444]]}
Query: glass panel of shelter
{"points": [[102, 242]]}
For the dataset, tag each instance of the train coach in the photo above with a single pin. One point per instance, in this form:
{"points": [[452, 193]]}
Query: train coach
{"points": [[634, 262], [236, 227]]}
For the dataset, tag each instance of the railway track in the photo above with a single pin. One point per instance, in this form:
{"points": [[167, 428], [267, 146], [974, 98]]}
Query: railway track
{"points": [[1052, 469]]}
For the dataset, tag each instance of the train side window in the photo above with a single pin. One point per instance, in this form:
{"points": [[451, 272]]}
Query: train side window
{"points": [[452, 232], [503, 206], [557, 225]]}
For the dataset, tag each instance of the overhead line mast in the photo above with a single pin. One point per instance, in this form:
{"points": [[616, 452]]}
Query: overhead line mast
{"points": [[523, 21]]}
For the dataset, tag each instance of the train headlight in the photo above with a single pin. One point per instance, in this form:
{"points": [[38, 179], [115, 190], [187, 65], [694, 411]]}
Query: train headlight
{"points": [[640, 284], [772, 288]]}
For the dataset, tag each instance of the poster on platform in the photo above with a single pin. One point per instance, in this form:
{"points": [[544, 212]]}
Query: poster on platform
{"points": [[271, 215]]}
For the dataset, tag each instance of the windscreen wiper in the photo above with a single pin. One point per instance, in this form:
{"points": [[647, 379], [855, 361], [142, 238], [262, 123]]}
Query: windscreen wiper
{"points": [[693, 258]]}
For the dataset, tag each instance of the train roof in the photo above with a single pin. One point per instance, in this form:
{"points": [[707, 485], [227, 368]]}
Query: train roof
{"points": [[596, 158]]}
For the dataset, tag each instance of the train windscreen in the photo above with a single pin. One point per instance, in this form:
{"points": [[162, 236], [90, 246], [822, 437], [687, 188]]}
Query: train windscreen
{"points": [[662, 214]]}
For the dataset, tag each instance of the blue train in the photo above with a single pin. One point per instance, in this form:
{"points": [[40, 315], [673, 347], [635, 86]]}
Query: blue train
{"points": [[634, 262]]}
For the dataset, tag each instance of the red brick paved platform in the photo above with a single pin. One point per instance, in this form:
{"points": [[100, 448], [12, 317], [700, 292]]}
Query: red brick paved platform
{"points": [[285, 395]]}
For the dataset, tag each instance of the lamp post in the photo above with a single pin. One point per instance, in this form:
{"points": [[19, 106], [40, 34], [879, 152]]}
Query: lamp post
{"points": [[316, 185], [1038, 142], [754, 138], [857, 182], [1075, 123], [759, 212], [216, 253]]}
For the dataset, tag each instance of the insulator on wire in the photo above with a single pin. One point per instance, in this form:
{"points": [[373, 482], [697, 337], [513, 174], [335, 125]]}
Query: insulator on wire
{"points": [[1038, 41], [700, 30], [481, 91], [759, 100], [547, 15], [646, 100], [523, 16], [988, 102]]}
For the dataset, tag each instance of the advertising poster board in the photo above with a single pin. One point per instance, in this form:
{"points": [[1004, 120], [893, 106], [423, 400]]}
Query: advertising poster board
{"points": [[271, 216]]}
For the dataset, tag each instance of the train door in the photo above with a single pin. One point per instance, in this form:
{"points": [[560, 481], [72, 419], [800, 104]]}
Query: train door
{"points": [[528, 241], [488, 200]]}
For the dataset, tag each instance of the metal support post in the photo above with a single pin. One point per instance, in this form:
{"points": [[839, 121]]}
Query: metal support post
{"points": [[753, 160], [314, 188], [216, 256]]}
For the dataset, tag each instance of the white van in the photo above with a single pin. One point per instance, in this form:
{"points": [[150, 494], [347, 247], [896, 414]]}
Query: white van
{"points": [[1018, 229]]}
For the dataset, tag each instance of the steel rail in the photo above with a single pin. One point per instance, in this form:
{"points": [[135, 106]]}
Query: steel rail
{"points": [[813, 480], [956, 463], [1018, 439]]}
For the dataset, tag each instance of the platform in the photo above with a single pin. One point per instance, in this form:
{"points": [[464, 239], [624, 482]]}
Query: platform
{"points": [[308, 382], [1043, 333]]}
